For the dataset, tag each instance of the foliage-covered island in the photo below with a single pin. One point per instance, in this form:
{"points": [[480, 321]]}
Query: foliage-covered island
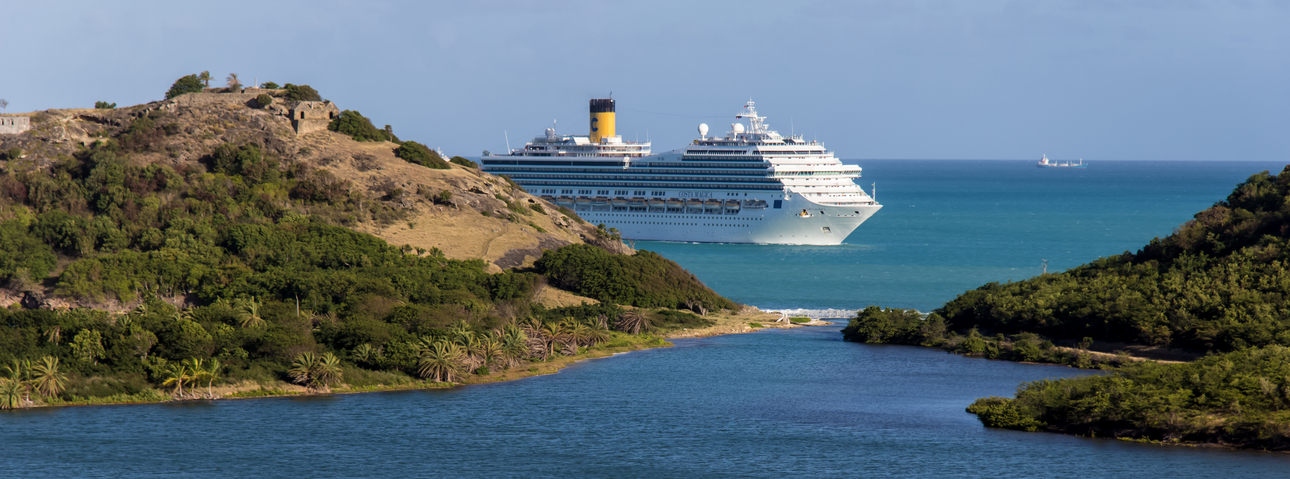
{"points": [[144, 280], [1219, 285]]}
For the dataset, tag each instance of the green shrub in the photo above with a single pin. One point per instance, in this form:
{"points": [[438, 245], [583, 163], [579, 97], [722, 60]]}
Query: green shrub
{"points": [[644, 279], [414, 152], [263, 100], [271, 86], [186, 84], [359, 127], [464, 162], [22, 253], [102, 105], [1219, 283], [301, 93], [537, 207], [1003, 413]]}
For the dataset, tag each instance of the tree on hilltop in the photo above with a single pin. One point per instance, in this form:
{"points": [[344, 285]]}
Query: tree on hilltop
{"points": [[205, 77], [301, 93], [234, 85], [4, 105], [186, 84]]}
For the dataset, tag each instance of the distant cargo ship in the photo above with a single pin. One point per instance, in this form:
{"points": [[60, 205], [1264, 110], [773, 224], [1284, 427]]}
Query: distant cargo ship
{"points": [[1044, 163], [751, 186]]}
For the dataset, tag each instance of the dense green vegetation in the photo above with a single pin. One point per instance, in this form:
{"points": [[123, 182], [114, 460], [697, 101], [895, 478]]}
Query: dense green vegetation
{"points": [[185, 84], [1221, 282], [269, 85], [102, 105], [644, 279], [241, 270], [359, 127], [464, 162], [263, 100], [300, 93], [414, 152], [1240, 398], [906, 326]]}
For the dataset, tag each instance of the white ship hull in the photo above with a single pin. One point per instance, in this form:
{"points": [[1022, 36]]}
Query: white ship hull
{"points": [[751, 186], [821, 225]]}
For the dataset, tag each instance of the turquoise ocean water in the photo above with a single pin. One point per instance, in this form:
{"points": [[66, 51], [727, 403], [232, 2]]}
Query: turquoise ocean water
{"points": [[794, 403], [947, 226]]}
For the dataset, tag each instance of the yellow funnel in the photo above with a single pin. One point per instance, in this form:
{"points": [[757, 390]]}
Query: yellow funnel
{"points": [[602, 119]]}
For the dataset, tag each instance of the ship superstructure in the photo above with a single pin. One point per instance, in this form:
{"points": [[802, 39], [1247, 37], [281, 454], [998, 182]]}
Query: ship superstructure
{"points": [[752, 185]]}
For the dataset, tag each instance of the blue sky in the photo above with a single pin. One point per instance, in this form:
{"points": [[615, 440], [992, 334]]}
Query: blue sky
{"points": [[1099, 80]]}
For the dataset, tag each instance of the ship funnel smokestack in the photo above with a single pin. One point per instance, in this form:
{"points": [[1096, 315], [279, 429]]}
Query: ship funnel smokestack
{"points": [[602, 119]]}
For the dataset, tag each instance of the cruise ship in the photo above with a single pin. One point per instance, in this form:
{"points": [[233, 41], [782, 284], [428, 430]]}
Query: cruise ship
{"points": [[752, 185]]}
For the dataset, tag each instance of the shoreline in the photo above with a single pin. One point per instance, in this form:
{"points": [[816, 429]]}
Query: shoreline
{"points": [[725, 324]]}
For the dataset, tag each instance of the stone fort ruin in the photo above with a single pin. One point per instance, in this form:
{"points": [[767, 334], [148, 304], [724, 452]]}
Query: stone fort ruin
{"points": [[310, 116], [13, 125]]}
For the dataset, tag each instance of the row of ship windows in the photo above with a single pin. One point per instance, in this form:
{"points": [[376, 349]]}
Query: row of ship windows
{"points": [[744, 152], [551, 191], [682, 224], [759, 179], [707, 186], [674, 223]]}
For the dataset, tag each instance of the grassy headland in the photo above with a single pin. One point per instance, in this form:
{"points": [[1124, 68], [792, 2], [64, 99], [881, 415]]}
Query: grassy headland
{"points": [[180, 247]]}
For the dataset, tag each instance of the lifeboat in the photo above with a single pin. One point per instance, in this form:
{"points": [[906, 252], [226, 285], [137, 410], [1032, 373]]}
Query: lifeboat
{"points": [[675, 203], [657, 203], [619, 202], [693, 206], [712, 206], [564, 201], [732, 206], [600, 201], [636, 202], [755, 204]]}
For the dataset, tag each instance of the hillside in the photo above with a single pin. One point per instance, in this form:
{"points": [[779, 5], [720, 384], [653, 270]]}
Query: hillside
{"points": [[189, 127], [1221, 282], [210, 238]]}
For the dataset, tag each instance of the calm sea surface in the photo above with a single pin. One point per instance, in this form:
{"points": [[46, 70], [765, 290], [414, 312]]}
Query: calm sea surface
{"points": [[947, 226], [770, 404]]}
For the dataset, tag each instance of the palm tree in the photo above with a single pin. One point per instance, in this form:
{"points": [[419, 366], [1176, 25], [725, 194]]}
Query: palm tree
{"points": [[10, 394], [633, 322], [250, 315], [54, 334], [316, 372], [441, 360], [597, 334], [212, 373], [20, 375], [328, 371], [176, 375], [490, 351], [233, 83], [197, 372], [205, 77], [302, 368], [460, 332], [49, 381], [551, 333], [365, 353], [514, 345]]}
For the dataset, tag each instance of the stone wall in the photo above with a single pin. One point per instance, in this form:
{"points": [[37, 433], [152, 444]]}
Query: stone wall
{"points": [[13, 125], [203, 99]]}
